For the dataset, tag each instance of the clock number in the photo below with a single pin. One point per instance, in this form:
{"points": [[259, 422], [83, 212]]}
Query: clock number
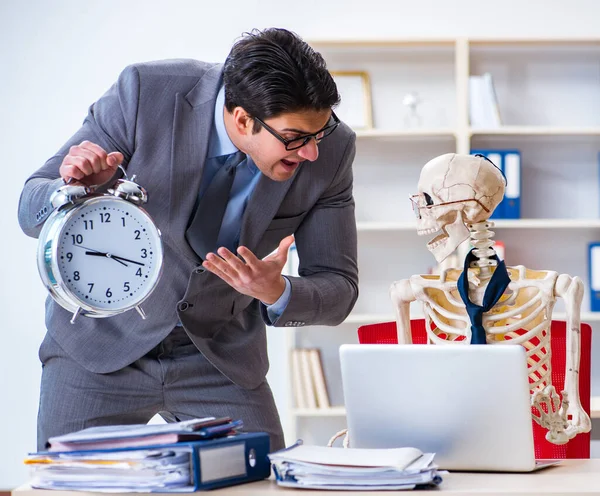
{"points": [[105, 218], [139, 273], [108, 293], [144, 253], [89, 223], [77, 239], [126, 287], [123, 219], [91, 285], [137, 234], [69, 256], [76, 275]]}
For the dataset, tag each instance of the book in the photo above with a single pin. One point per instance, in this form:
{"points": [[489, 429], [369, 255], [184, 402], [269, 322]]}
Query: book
{"points": [[483, 102], [307, 381], [297, 379], [318, 378]]}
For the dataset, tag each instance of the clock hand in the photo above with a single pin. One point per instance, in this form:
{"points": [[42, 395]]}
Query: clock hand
{"points": [[116, 258], [127, 260], [90, 249], [107, 255]]}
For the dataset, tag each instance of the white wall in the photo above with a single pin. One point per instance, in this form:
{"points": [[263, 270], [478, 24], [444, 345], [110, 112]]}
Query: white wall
{"points": [[56, 57]]}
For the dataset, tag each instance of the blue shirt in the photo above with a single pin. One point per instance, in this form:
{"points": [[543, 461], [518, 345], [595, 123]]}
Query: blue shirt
{"points": [[246, 178]]}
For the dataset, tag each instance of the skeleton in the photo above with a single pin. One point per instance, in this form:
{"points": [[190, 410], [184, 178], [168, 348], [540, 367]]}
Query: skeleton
{"points": [[456, 195]]}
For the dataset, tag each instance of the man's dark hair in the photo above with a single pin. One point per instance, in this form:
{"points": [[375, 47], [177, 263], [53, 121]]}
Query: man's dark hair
{"points": [[274, 71]]}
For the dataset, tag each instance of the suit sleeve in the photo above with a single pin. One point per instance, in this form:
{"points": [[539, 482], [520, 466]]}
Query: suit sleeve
{"points": [[327, 288], [110, 123]]}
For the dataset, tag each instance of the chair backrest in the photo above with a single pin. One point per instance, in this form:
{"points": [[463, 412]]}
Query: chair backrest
{"points": [[579, 446]]}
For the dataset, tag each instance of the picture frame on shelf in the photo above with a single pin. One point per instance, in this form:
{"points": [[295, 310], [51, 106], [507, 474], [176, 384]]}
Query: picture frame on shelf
{"points": [[355, 108]]}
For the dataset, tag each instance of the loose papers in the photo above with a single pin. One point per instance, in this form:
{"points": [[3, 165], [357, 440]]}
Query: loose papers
{"points": [[317, 467]]}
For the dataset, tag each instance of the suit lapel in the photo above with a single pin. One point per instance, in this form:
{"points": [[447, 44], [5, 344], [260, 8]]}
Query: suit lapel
{"points": [[194, 115]]}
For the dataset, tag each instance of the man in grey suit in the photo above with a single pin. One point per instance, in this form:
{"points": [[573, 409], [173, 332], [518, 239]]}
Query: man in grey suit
{"points": [[202, 350]]}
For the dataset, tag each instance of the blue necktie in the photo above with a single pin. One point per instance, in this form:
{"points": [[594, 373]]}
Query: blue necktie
{"points": [[495, 289], [203, 231]]}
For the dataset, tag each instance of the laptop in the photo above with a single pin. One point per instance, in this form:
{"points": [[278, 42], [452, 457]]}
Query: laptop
{"points": [[470, 405]]}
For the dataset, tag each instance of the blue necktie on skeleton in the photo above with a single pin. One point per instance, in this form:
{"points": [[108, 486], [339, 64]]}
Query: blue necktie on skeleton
{"points": [[494, 290], [203, 230]]}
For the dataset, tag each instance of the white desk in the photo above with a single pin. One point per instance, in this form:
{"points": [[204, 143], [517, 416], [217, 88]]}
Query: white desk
{"points": [[570, 477]]}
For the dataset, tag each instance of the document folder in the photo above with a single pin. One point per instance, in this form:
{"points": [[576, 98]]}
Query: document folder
{"points": [[179, 467], [512, 195], [495, 156], [594, 276], [509, 163]]}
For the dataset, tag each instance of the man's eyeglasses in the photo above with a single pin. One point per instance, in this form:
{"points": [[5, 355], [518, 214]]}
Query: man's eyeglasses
{"points": [[294, 144], [415, 200]]}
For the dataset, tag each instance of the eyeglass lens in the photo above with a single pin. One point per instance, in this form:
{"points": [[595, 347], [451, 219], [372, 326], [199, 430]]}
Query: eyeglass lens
{"points": [[300, 142]]}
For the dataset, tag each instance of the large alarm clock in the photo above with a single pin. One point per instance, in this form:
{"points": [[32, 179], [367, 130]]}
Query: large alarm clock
{"points": [[100, 254]]}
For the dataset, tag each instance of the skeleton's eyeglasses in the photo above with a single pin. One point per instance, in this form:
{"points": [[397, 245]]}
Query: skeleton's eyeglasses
{"points": [[294, 144], [420, 201]]}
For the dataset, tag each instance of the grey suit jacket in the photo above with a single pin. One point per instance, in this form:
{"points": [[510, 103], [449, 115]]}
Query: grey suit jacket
{"points": [[159, 116]]}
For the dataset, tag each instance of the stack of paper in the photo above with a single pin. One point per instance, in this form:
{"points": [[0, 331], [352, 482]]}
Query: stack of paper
{"points": [[138, 470], [317, 467], [179, 457]]}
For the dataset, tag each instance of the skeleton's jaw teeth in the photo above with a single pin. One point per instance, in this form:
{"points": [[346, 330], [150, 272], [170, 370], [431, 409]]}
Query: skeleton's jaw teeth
{"points": [[425, 232], [437, 241]]}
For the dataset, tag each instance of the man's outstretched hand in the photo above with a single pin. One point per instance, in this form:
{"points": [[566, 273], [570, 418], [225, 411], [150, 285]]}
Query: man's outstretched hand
{"points": [[251, 276]]}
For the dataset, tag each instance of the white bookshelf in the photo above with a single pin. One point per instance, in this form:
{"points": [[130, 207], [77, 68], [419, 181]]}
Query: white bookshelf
{"points": [[441, 133], [336, 411], [536, 131], [340, 411], [366, 318], [549, 100], [498, 224]]}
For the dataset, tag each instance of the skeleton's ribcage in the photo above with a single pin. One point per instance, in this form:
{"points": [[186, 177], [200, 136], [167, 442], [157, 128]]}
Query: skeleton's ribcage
{"points": [[510, 322]]}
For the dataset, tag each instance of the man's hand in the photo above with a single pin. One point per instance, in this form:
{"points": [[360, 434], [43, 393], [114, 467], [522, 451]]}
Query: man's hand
{"points": [[260, 279], [88, 164]]}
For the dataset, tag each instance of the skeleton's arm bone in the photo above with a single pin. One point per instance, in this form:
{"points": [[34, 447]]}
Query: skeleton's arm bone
{"points": [[571, 290], [402, 295]]}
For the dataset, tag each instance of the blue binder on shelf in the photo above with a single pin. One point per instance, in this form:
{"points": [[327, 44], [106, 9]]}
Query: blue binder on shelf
{"points": [[512, 195], [509, 162], [179, 467], [594, 275]]}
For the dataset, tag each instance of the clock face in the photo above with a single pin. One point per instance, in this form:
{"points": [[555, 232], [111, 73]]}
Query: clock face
{"points": [[109, 254]]}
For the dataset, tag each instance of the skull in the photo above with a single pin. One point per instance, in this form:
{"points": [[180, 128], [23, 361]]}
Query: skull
{"points": [[455, 190]]}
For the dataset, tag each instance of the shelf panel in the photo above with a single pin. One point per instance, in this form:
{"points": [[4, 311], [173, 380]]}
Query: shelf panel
{"points": [[386, 226], [367, 318], [509, 42], [334, 411], [547, 224], [340, 411], [382, 43], [444, 133], [536, 131], [369, 226], [585, 316]]}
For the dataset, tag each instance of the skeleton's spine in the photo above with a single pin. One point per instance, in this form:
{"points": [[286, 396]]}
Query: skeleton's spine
{"points": [[481, 239]]}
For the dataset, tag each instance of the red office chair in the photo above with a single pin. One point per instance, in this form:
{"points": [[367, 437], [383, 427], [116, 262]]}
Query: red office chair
{"points": [[579, 446]]}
